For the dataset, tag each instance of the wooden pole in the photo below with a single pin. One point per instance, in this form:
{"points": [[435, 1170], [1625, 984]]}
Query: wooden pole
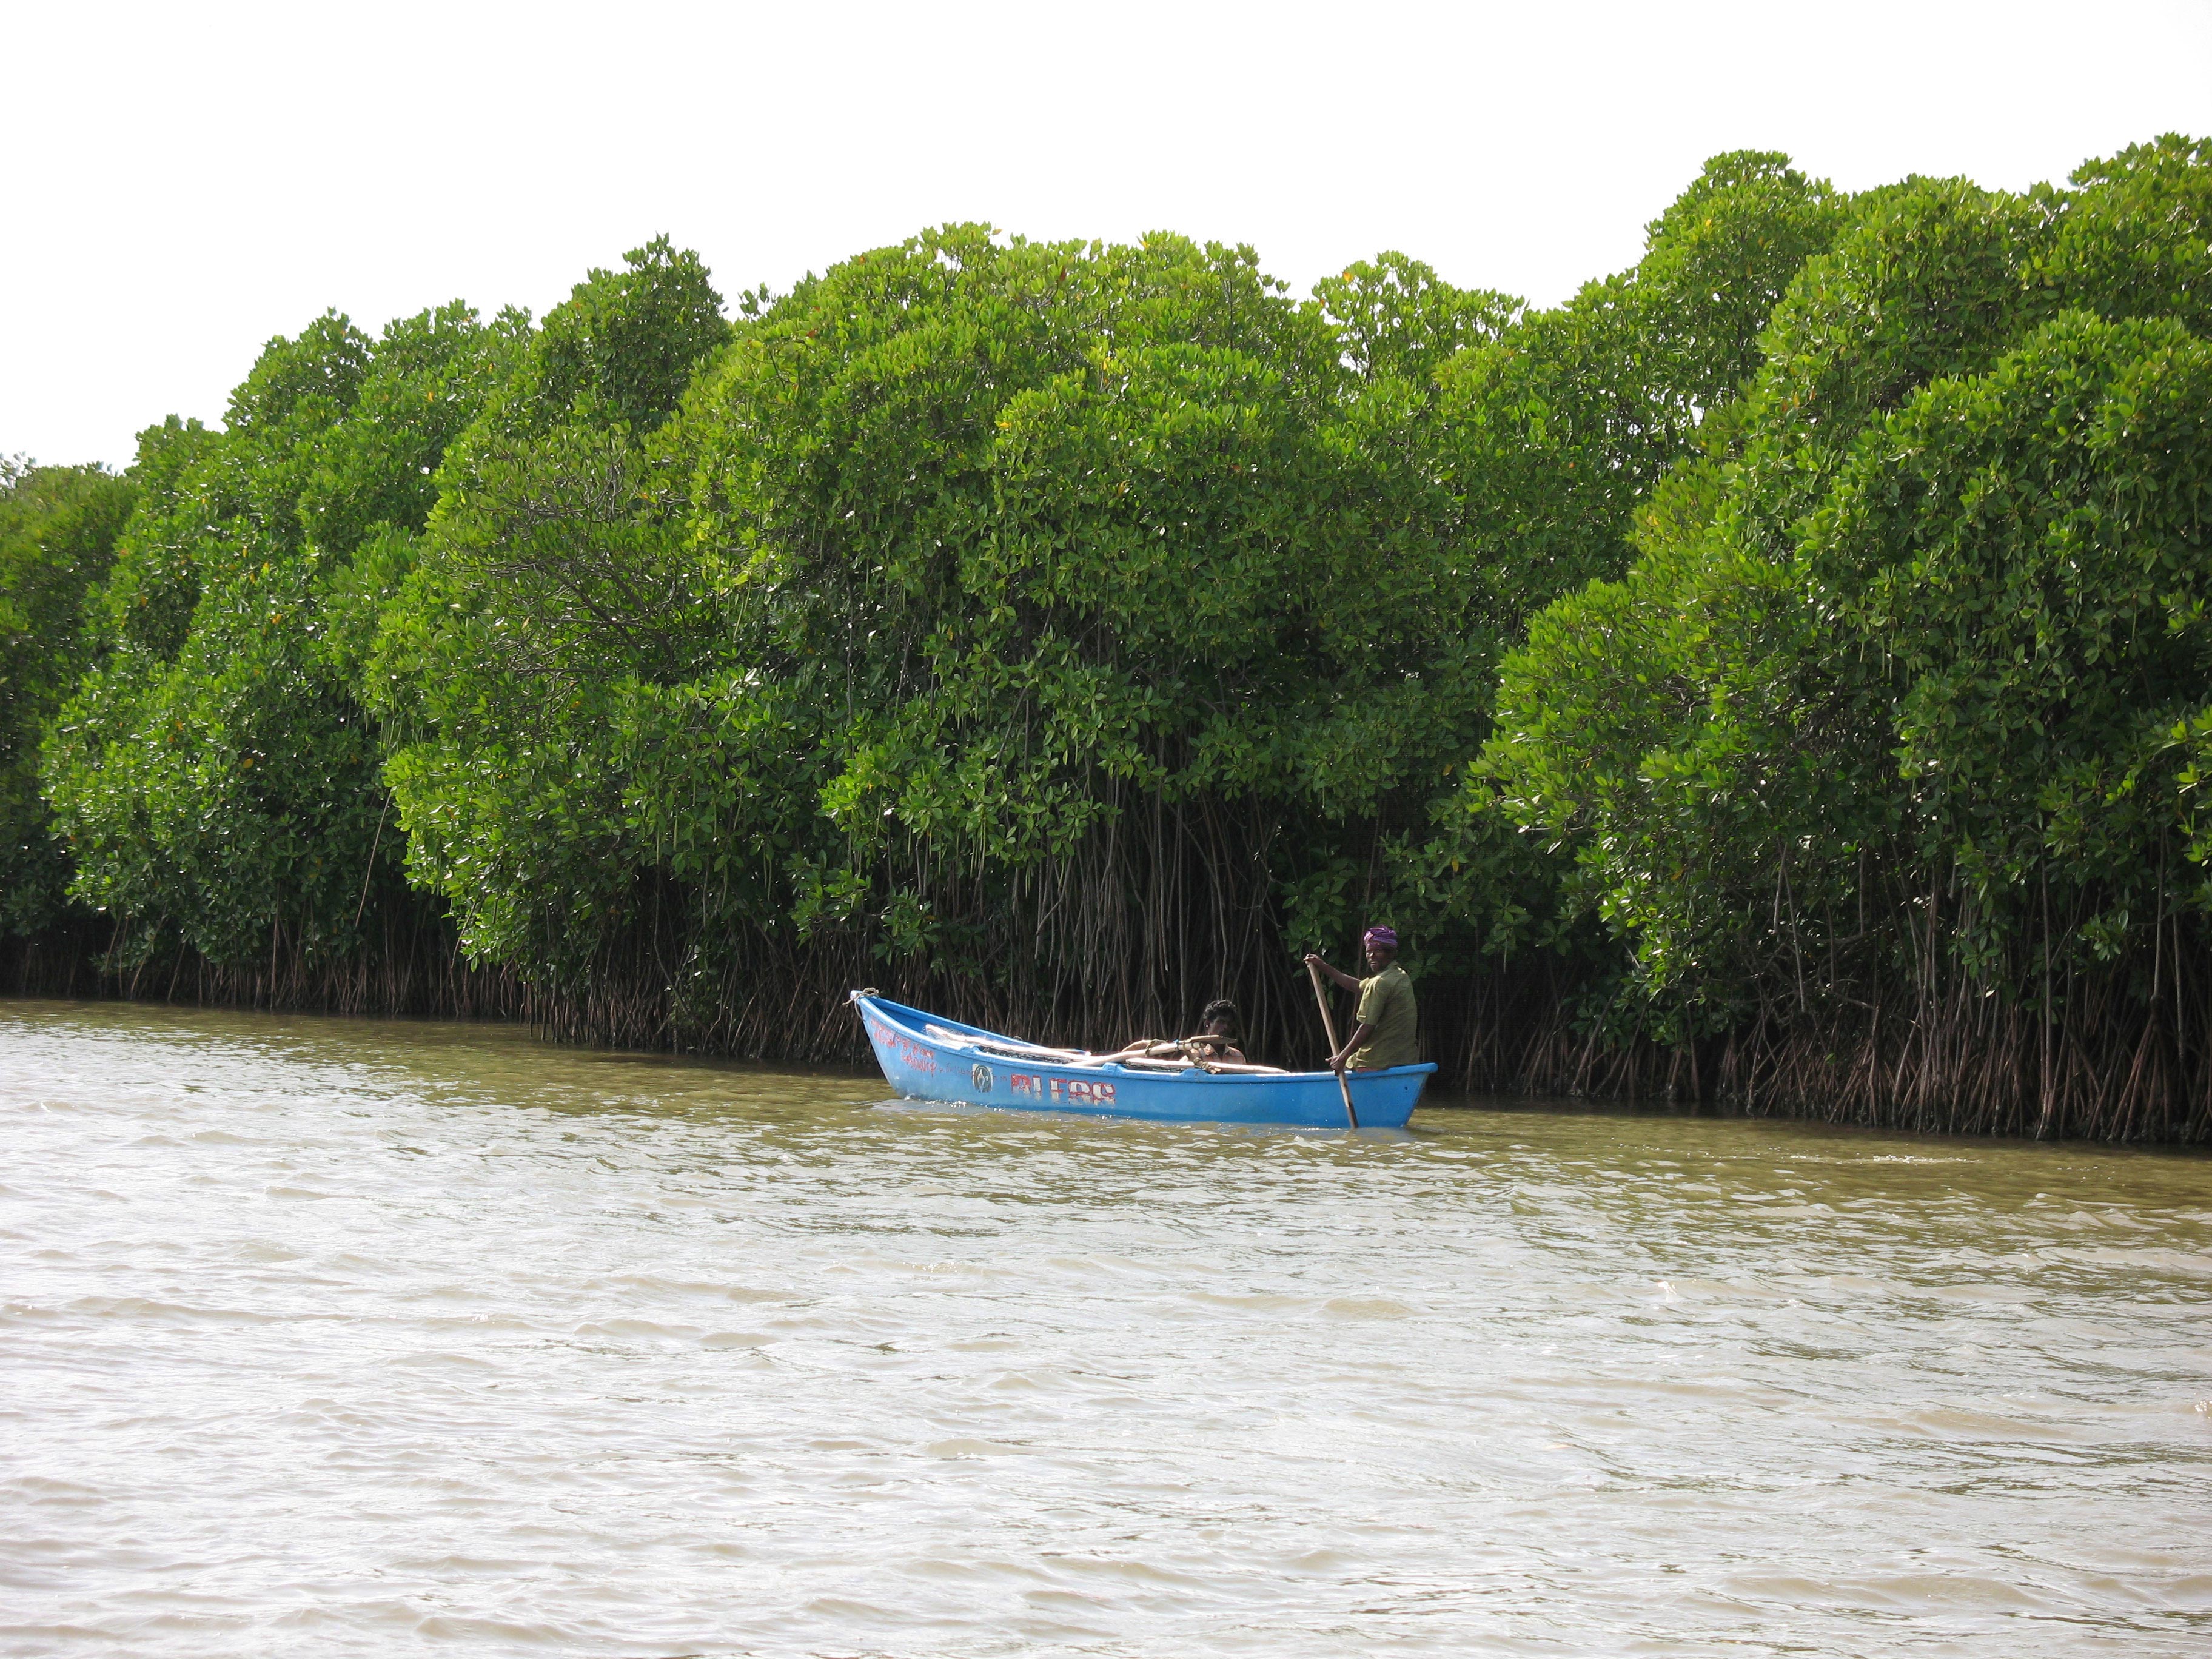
{"points": [[1328, 1025]]}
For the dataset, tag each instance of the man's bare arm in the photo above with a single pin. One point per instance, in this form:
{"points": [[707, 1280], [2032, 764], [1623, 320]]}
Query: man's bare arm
{"points": [[1343, 980]]}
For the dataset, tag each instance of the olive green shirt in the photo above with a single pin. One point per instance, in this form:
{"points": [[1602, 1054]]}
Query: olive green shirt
{"points": [[1385, 1004]]}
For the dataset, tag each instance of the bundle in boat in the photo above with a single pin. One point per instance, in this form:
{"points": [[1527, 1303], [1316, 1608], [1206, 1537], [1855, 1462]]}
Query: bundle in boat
{"points": [[1168, 1056]]}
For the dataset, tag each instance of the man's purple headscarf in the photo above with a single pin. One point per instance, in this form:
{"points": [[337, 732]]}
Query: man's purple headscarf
{"points": [[1385, 937]]}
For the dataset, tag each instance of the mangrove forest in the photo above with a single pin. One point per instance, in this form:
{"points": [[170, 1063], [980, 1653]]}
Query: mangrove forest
{"points": [[1779, 675]]}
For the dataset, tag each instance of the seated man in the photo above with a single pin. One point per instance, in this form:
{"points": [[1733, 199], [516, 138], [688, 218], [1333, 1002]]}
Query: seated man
{"points": [[1215, 1039], [1216, 1032]]}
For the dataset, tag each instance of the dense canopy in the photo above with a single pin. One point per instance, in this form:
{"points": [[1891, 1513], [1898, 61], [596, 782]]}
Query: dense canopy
{"points": [[1782, 671]]}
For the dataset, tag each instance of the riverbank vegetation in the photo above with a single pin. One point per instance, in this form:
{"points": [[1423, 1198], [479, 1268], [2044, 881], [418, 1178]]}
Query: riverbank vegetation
{"points": [[1782, 673]]}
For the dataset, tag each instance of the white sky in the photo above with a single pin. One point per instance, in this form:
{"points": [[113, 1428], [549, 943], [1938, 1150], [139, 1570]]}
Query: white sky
{"points": [[185, 181]]}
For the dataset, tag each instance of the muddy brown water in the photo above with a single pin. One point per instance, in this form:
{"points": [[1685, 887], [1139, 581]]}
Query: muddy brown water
{"points": [[323, 1336]]}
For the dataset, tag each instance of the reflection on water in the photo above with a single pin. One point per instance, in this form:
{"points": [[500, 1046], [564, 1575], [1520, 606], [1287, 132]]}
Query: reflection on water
{"points": [[330, 1337]]}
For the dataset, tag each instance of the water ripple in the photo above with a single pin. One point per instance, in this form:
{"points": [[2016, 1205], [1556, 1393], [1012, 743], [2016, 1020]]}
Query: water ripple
{"points": [[327, 1337]]}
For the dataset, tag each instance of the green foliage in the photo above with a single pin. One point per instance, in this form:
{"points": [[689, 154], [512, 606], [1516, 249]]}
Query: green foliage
{"points": [[962, 555], [1935, 278], [1119, 552], [2135, 238], [1561, 436], [2029, 547], [213, 771], [1914, 647], [1816, 607], [58, 531], [623, 345], [1559, 429], [515, 670], [1716, 264], [988, 557], [1394, 316]]}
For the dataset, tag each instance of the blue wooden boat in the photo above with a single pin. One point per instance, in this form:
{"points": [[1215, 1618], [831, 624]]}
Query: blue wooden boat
{"points": [[929, 1058]]}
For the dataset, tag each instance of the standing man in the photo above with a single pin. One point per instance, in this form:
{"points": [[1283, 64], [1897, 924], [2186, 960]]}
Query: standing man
{"points": [[1384, 1034]]}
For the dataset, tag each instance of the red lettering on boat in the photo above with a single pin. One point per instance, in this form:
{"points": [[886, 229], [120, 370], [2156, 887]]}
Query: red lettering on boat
{"points": [[910, 1054]]}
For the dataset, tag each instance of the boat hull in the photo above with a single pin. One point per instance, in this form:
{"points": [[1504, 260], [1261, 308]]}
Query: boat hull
{"points": [[929, 1058]]}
